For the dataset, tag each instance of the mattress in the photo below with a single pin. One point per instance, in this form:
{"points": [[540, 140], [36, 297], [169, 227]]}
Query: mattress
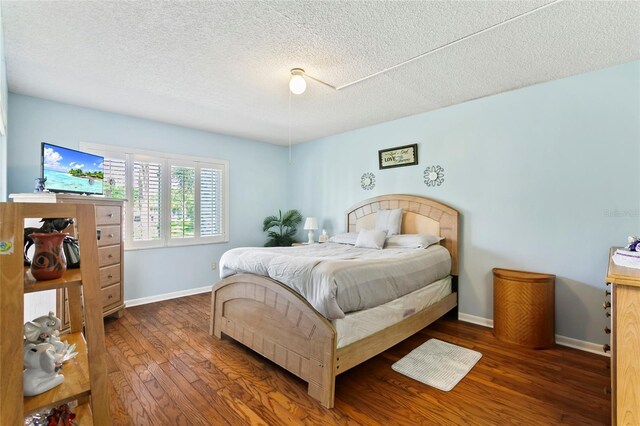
{"points": [[358, 325], [338, 278]]}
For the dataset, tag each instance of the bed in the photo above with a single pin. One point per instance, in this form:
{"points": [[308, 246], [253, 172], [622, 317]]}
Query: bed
{"points": [[278, 323]]}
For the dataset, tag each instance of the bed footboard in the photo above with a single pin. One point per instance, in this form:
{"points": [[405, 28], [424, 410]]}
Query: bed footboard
{"points": [[280, 325]]}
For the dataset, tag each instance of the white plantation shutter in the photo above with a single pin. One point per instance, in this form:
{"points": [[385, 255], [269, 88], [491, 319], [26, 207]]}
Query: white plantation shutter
{"points": [[115, 180], [210, 202], [183, 201], [171, 199], [146, 199]]}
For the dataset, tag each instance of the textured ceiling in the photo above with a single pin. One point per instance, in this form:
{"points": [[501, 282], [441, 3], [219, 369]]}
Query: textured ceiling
{"points": [[223, 66]]}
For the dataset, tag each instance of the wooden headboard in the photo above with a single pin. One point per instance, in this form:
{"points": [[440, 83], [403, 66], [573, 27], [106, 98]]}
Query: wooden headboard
{"points": [[420, 215]]}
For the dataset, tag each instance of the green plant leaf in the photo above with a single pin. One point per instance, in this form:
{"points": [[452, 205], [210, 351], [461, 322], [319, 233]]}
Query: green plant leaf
{"points": [[270, 222], [286, 228]]}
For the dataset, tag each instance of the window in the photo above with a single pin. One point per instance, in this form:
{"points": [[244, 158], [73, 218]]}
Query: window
{"points": [[183, 201], [171, 199]]}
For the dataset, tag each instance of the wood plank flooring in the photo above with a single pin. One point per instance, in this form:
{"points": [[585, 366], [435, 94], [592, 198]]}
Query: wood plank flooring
{"points": [[165, 369]]}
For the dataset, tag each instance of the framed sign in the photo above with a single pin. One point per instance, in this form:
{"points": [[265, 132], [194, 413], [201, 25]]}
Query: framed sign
{"points": [[398, 157]]}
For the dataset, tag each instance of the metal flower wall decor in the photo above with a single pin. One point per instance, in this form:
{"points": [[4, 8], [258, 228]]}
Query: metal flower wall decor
{"points": [[434, 176], [368, 181]]}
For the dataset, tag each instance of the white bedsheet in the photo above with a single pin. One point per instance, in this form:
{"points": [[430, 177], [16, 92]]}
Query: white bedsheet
{"points": [[358, 325], [339, 278]]}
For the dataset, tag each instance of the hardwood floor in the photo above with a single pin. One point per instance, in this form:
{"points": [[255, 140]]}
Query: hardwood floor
{"points": [[165, 369]]}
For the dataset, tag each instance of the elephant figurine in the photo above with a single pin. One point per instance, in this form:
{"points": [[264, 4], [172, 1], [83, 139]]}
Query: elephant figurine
{"points": [[46, 329], [41, 365]]}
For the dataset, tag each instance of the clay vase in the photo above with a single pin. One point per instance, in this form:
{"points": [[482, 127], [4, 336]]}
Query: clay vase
{"points": [[48, 261]]}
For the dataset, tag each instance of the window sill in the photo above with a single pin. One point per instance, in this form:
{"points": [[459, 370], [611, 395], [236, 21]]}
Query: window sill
{"points": [[174, 245]]}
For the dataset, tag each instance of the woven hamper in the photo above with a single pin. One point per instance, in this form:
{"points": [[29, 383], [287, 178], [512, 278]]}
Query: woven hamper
{"points": [[524, 308]]}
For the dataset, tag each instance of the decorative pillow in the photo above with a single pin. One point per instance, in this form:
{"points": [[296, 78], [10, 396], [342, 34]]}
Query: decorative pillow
{"points": [[370, 238], [348, 238], [389, 220], [412, 240]]}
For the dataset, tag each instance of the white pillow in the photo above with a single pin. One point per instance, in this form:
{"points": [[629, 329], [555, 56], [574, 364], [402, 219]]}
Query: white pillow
{"points": [[412, 240], [348, 238], [389, 220], [370, 238]]}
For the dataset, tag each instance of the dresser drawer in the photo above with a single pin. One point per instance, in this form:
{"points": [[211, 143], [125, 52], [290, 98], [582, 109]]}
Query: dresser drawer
{"points": [[111, 296], [109, 275], [109, 235], [108, 255], [108, 215]]}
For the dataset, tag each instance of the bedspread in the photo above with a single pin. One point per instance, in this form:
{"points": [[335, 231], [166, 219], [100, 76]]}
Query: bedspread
{"points": [[339, 278]]}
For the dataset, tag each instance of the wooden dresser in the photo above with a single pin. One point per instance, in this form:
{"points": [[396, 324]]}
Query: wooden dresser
{"points": [[625, 343], [109, 215]]}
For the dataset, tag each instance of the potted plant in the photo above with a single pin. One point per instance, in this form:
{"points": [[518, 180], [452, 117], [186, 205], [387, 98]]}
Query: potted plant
{"points": [[286, 228]]}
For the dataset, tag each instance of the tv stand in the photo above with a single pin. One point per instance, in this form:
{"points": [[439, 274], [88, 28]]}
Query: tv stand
{"points": [[109, 215]]}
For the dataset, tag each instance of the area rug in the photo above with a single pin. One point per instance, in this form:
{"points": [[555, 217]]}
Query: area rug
{"points": [[438, 364]]}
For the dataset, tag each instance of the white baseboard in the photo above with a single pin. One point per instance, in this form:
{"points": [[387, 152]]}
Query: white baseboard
{"points": [[595, 348], [485, 322], [166, 296], [560, 340]]}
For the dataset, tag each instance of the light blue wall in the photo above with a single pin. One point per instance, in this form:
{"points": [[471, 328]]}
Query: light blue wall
{"points": [[5, 99], [257, 181], [546, 178]]}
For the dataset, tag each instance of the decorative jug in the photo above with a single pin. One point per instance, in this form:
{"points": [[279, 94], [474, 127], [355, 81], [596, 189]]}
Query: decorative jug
{"points": [[48, 261]]}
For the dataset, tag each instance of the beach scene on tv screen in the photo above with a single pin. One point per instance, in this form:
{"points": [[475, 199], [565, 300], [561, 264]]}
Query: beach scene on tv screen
{"points": [[72, 171]]}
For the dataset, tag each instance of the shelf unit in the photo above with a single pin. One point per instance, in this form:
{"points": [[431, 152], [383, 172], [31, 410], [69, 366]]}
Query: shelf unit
{"points": [[85, 376], [109, 216]]}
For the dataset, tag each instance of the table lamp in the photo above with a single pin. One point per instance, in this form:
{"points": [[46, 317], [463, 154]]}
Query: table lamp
{"points": [[310, 225]]}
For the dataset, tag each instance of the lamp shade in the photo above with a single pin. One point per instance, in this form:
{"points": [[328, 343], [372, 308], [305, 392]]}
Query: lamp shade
{"points": [[310, 224]]}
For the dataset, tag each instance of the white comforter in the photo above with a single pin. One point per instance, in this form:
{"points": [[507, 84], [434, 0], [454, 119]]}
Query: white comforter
{"points": [[339, 278]]}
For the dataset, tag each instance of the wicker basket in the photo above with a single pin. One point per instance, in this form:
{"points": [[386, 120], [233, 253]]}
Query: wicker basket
{"points": [[524, 308]]}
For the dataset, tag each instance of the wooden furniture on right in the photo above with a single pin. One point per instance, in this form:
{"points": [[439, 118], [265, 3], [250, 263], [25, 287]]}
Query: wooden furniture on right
{"points": [[625, 343], [524, 308], [85, 376], [281, 325]]}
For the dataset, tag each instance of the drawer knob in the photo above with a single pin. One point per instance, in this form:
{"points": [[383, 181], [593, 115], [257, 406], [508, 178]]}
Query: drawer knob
{"points": [[110, 256], [110, 215], [110, 235], [110, 296], [607, 330], [606, 347], [607, 314], [607, 293], [109, 276], [606, 304]]}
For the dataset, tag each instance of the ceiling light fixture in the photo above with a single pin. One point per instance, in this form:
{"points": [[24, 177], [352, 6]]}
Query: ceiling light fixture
{"points": [[297, 83]]}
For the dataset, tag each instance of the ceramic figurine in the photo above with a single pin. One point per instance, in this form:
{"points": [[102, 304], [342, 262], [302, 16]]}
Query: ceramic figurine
{"points": [[45, 329], [323, 238], [48, 225], [39, 184], [41, 365]]}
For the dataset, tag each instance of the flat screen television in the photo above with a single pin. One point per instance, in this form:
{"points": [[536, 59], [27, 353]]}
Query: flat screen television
{"points": [[71, 171]]}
